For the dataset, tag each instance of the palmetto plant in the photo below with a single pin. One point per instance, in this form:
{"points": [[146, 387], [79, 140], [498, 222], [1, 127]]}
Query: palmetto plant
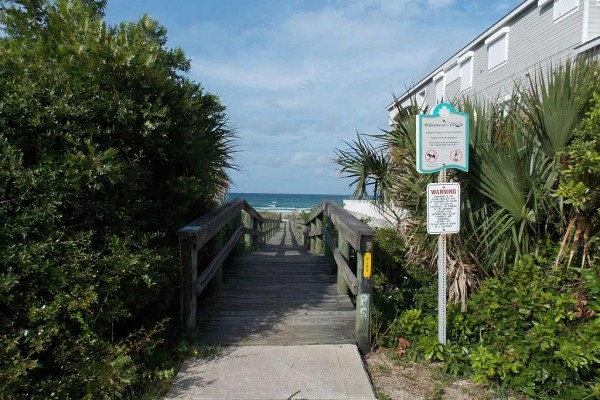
{"points": [[510, 194], [367, 166], [506, 201], [514, 165]]}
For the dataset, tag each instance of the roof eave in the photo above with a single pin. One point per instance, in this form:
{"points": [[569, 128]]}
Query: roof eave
{"points": [[491, 30]]}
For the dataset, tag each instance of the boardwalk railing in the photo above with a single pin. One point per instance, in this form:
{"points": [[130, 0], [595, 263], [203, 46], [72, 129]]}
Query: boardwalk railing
{"points": [[196, 235], [351, 232]]}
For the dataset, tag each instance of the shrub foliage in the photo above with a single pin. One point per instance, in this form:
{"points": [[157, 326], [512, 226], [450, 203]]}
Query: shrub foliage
{"points": [[105, 148], [534, 330], [525, 265]]}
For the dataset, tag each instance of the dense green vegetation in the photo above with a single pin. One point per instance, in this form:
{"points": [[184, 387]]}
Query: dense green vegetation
{"points": [[106, 147], [524, 271]]}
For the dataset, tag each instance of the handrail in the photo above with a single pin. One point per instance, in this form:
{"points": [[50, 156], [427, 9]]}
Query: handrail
{"points": [[246, 221], [319, 227]]}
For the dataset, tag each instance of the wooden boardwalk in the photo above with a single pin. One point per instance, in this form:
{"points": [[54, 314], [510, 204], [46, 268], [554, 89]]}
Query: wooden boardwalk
{"points": [[280, 295]]}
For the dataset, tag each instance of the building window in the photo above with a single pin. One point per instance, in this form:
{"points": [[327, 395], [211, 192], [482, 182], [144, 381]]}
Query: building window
{"points": [[564, 7], [452, 74], [420, 99], [497, 48], [439, 88], [466, 71]]}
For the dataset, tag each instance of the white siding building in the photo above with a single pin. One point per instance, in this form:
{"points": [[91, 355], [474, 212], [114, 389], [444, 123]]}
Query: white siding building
{"points": [[534, 36]]}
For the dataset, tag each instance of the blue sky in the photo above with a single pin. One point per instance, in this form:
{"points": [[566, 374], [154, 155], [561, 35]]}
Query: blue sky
{"points": [[300, 77]]}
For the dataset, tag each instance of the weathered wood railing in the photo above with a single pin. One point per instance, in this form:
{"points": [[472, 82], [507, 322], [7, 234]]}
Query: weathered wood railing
{"points": [[351, 232], [196, 235]]}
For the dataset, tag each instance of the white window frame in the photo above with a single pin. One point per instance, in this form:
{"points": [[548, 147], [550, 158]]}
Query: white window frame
{"points": [[467, 57], [421, 99], [392, 114], [452, 73], [502, 34], [571, 11], [436, 79]]}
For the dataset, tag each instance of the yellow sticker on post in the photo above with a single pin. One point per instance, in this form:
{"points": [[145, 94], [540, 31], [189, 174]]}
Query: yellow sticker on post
{"points": [[367, 258]]}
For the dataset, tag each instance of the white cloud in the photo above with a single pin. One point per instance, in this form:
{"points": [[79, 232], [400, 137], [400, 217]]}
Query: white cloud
{"points": [[298, 86], [308, 159], [256, 74], [436, 4]]}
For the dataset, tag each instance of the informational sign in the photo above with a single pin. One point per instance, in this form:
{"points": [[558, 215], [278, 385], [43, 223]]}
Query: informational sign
{"points": [[443, 208], [367, 265], [442, 140]]}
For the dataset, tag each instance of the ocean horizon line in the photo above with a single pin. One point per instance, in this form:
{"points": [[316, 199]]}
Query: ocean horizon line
{"points": [[294, 194]]}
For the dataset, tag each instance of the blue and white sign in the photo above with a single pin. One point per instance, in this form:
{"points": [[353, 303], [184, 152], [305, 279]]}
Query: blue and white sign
{"points": [[442, 140]]}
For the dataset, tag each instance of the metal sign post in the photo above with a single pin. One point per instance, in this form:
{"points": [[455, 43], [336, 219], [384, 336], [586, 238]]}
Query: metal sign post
{"points": [[442, 290], [442, 143]]}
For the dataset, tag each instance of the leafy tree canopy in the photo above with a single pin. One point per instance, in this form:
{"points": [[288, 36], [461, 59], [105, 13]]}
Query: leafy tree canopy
{"points": [[106, 146]]}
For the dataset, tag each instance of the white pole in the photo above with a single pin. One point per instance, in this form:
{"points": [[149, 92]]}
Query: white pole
{"points": [[442, 279]]}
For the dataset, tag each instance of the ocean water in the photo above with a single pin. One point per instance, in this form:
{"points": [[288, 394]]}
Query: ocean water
{"points": [[286, 203]]}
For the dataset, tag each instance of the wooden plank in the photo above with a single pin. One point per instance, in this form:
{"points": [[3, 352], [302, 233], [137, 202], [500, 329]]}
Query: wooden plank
{"points": [[329, 240], [344, 248], [246, 321], [205, 227], [287, 262], [205, 314], [285, 306], [346, 272], [269, 280], [362, 331], [317, 211], [217, 281], [315, 233], [203, 280], [342, 265], [253, 232], [281, 295], [358, 234], [186, 284], [297, 295], [248, 208]]}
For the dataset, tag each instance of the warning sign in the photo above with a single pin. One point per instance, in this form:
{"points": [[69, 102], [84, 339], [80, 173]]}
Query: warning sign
{"points": [[443, 208]]}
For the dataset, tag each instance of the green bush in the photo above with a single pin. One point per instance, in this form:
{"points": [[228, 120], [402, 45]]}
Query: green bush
{"points": [[397, 288], [534, 330], [105, 149]]}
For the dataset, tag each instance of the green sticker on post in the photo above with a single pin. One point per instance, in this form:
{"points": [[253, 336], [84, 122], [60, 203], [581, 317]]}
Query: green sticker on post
{"points": [[367, 265]]}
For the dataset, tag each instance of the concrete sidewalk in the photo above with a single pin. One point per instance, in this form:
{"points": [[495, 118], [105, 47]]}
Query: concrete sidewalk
{"points": [[324, 372]]}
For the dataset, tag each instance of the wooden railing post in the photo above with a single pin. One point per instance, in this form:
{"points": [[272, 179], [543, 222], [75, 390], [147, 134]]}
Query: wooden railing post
{"points": [[344, 248], [331, 229], [364, 267], [313, 239], [264, 227], [352, 234], [305, 240], [189, 273], [248, 224], [256, 239], [217, 280], [319, 239]]}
